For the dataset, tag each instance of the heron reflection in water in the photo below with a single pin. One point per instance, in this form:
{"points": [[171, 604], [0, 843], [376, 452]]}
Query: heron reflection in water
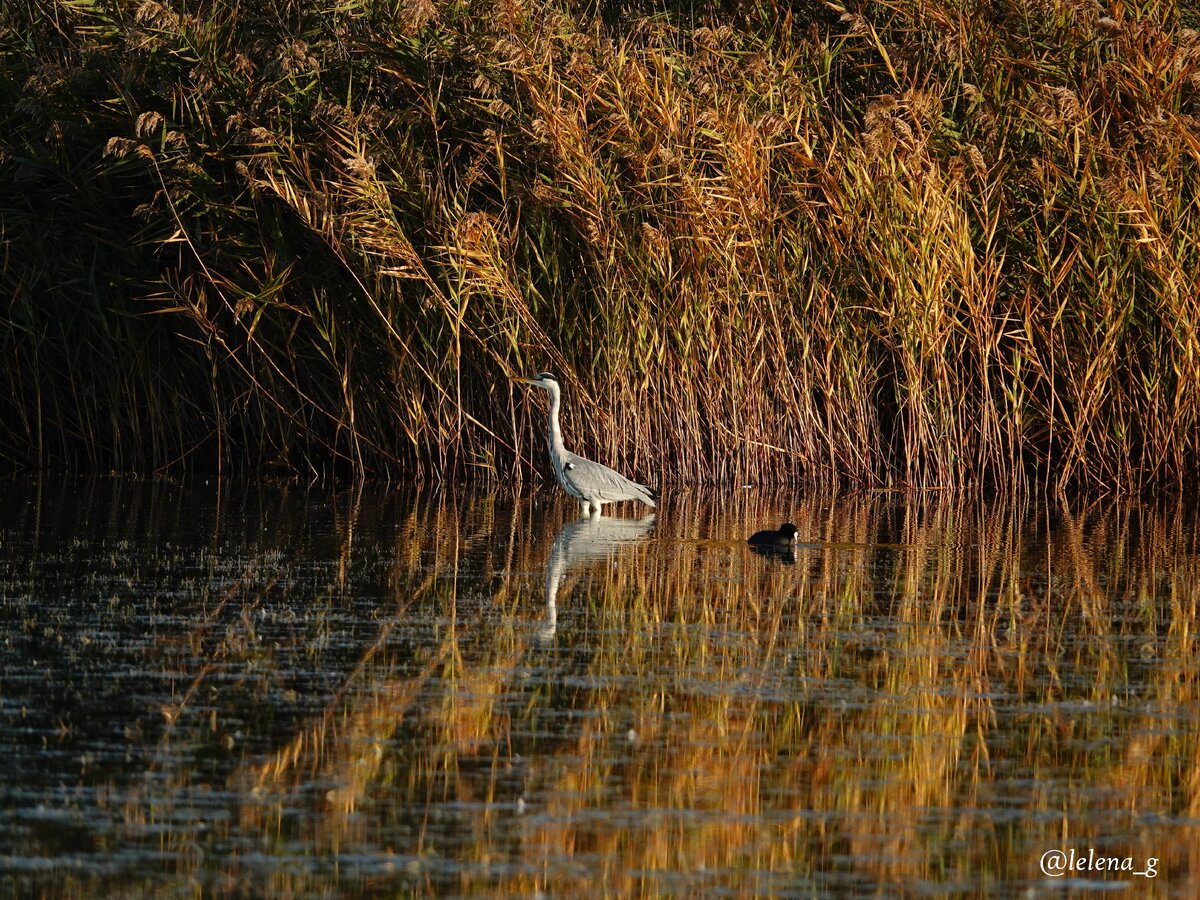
{"points": [[586, 540]]}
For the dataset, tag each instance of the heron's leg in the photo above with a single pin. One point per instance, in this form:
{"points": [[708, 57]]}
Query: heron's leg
{"points": [[584, 507]]}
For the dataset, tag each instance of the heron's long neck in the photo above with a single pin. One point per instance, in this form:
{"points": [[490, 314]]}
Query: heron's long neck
{"points": [[554, 433]]}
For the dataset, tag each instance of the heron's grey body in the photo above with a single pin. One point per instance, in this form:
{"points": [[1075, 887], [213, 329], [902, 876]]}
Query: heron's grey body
{"points": [[591, 483]]}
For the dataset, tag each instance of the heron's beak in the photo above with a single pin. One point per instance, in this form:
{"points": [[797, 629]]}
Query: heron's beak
{"points": [[522, 379]]}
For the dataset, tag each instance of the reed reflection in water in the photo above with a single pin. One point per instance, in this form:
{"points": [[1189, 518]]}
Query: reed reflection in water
{"points": [[284, 691]]}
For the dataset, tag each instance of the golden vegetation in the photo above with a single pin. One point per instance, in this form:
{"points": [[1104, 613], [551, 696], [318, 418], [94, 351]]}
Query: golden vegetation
{"points": [[892, 242]]}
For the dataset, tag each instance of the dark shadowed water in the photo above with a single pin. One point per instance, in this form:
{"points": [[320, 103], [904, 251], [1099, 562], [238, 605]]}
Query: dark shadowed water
{"points": [[290, 691]]}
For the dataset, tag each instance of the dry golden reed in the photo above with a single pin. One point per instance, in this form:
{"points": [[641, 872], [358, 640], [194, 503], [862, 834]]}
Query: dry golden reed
{"points": [[900, 243]]}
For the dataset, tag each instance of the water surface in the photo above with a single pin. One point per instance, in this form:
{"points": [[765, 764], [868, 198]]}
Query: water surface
{"points": [[275, 689]]}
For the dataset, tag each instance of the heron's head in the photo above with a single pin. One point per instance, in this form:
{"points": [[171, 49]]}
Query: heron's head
{"points": [[545, 380]]}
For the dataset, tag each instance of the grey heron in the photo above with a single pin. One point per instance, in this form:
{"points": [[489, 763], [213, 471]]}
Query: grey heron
{"points": [[784, 538], [591, 483]]}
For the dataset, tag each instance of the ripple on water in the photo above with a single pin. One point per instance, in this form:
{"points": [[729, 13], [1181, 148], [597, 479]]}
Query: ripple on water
{"points": [[307, 692]]}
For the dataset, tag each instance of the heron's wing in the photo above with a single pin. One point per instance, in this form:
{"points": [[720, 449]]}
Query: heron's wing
{"points": [[599, 482]]}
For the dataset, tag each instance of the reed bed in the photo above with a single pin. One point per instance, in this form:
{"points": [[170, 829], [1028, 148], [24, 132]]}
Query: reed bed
{"points": [[900, 242]]}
